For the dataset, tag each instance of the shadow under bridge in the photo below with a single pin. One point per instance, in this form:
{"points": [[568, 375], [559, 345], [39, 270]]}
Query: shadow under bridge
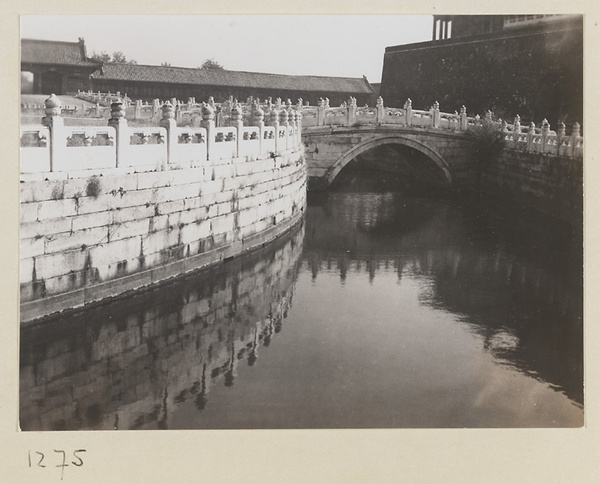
{"points": [[349, 160]]}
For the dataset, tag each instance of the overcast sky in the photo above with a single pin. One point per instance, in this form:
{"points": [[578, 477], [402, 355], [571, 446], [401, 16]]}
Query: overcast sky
{"points": [[347, 46]]}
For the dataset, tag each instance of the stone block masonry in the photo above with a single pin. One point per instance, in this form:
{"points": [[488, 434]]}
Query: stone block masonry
{"points": [[551, 185], [86, 239], [107, 210]]}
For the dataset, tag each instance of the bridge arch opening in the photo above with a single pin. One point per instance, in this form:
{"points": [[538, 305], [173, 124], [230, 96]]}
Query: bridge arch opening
{"points": [[397, 161]]}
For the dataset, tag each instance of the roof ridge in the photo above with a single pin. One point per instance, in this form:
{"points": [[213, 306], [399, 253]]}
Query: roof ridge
{"points": [[233, 71], [47, 41]]}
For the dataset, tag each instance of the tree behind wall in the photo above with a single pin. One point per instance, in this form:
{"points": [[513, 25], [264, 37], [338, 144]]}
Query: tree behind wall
{"points": [[116, 57], [211, 64]]}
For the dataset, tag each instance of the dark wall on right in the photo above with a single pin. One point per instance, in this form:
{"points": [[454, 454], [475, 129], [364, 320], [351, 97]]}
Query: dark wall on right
{"points": [[535, 72]]}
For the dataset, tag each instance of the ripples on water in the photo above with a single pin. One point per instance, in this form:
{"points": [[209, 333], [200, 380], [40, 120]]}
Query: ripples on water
{"points": [[380, 311]]}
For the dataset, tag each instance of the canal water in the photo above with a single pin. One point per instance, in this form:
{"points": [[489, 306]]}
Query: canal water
{"points": [[381, 310]]}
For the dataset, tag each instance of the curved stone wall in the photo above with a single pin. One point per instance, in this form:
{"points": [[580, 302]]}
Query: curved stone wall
{"points": [[89, 238]]}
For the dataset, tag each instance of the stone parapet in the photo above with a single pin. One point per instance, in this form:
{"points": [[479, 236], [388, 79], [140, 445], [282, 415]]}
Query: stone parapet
{"points": [[102, 224]]}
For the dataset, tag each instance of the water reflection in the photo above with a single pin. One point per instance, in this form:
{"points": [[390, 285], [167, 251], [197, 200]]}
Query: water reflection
{"points": [[128, 364], [514, 283], [408, 312]]}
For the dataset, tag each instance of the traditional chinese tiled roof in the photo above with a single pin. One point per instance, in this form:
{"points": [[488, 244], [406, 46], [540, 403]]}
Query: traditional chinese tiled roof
{"points": [[54, 52], [218, 77]]}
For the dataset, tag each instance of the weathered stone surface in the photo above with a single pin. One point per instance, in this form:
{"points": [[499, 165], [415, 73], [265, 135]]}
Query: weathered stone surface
{"points": [[112, 252], [127, 214], [46, 227], [128, 229], [138, 228], [32, 247], [77, 240], [80, 222], [60, 263], [52, 209], [38, 191], [195, 231]]}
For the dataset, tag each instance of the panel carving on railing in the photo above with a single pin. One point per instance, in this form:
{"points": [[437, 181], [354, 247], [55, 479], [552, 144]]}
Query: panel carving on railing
{"points": [[35, 150], [34, 137], [53, 147], [191, 147], [90, 136], [224, 146]]}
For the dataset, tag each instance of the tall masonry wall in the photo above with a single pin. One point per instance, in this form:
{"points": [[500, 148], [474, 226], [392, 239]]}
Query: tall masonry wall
{"points": [[552, 185], [86, 239]]}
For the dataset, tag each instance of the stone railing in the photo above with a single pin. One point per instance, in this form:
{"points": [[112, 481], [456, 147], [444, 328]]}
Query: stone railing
{"points": [[185, 110], [103, 98], [34, 108], [53, 150], [529, 139]]}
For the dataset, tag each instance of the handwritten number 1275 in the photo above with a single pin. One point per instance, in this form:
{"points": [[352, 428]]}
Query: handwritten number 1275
{"points": [[40, 457]]}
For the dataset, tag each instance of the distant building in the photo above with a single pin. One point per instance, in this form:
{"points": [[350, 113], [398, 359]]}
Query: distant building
{"points": [[149, 82], [55, 67], [63, 68], [531, 65]]}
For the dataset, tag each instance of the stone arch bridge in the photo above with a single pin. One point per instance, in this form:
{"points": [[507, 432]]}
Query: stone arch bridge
{"points": [[432, 143], [328, 151]]}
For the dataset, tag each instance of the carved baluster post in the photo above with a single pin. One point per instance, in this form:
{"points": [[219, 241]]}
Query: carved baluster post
{"points": [[530, 134], [274, 121], [168, 122], [155, 106], [351, 111], [321, 112], [380, 110], [55, 124], [436, 114], [117, 120], [259, 121], [178, 113], [463, 122], [327, 103], [299, 104], [208, 123], [137, 113], [299, 123], [283, 122], [292, 122], [575, 139], [220, 116], [560, 136], [408, 112], [516, 131], [545, 132], [238, 124]]}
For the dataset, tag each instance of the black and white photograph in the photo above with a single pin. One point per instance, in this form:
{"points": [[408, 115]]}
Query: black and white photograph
{"points": [[236, 224], [216, 240]]}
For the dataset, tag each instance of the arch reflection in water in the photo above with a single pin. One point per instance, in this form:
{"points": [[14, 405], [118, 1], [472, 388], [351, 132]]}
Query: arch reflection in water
{"points": [[128, 364]]}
